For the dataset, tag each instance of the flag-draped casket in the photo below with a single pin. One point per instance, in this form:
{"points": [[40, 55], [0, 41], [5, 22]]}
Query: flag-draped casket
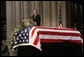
{"points": [[34, 36]]}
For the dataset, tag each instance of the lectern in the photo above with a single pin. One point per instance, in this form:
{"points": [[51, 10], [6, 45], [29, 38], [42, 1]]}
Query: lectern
{"points": [[29, 22]]}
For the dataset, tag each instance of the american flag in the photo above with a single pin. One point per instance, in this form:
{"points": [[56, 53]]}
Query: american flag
{"points": [[37, 35], [22, 38], [53, 35], [60, 20]]}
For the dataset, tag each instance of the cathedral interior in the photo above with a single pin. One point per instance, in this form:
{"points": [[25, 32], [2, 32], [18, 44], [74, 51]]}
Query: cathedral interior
{"points": [[13, 12]]}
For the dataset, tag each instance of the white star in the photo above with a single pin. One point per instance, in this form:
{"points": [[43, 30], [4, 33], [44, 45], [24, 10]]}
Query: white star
{"points": [[26, 33], [17, 38], [23, 41], [25, 37], [20, 41], [27, 40], [25, 30], [19, 35], [22, 32], [15, 42], [29, 28]]}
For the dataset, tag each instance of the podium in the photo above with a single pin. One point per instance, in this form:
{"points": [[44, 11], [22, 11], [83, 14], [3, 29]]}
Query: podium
{"points": [[29, 22]]}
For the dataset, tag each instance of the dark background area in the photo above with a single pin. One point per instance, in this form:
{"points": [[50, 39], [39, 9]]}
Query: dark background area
{"points": [[52, 49], [3, 20], [77, 13]]}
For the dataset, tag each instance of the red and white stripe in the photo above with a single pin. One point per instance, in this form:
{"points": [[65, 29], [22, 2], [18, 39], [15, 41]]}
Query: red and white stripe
{"points": [[38, 35]]}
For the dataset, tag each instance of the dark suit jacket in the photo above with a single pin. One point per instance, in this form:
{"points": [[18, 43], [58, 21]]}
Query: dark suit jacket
{"points": [[37, 19]]}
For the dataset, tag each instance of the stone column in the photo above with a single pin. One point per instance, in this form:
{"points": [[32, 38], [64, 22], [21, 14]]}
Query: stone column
{"points": [[28, 9], [37, 5], [18, 12], [32, 7], [41, 11], [9, 18], [56, 14], [53, 12], [10, 23], [22, 11], [46, 13], [14, 15], [25, 10]]}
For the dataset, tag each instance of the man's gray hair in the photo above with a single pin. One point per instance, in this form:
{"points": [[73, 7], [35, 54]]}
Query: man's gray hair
{"points": [[36, 10]]}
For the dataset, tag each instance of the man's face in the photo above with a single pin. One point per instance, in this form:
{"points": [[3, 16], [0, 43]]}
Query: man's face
{"points": [[3, 42], [34, 12]]}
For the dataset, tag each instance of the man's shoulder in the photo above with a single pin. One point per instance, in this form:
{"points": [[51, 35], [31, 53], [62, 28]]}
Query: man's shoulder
{"points": [[38, 15]]}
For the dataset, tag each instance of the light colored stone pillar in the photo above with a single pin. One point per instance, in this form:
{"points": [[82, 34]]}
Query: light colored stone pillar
{"points": [[41, 11], [22, 11], [10, 23], [37, 5], [25, 10], [9, 18], [28, 9], [32, 7], [18, 13], [53, 12], [56, 14], [14, 15], [46, 13]]}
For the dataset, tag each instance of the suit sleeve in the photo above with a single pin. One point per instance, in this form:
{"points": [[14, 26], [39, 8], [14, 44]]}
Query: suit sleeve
{"points": [[38, 20]]}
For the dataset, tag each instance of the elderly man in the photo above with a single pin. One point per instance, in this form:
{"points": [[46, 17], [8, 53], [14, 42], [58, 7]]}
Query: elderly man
{"points": [[36, 17]]}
